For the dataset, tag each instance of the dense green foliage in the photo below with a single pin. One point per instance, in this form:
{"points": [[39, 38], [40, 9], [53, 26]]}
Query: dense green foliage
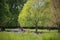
{"points": [[34, 13], [15, 6], [28, 36], [9, 11], [4, 12]]}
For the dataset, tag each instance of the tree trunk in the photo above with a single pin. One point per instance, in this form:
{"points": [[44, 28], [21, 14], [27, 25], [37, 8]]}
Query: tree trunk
{"points": [[36, 29], [36, 25], [59, 27], [2, 28], [55, 6]]}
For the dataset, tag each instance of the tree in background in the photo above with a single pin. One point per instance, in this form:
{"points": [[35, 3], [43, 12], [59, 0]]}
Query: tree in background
{"points": [[35, 13], [9, 11], [4, 14], [15, 6], [55, 6]]}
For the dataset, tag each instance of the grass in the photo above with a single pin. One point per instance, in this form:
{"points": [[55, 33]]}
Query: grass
{"points": [[39, 30], [28, 36], [44, 30]]}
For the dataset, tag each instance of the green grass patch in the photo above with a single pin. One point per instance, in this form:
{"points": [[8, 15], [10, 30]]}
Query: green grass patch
{"points": [[28, 36]]}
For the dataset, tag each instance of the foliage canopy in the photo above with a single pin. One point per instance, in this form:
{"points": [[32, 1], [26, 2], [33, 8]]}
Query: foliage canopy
{"points": [[34, 13]]}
